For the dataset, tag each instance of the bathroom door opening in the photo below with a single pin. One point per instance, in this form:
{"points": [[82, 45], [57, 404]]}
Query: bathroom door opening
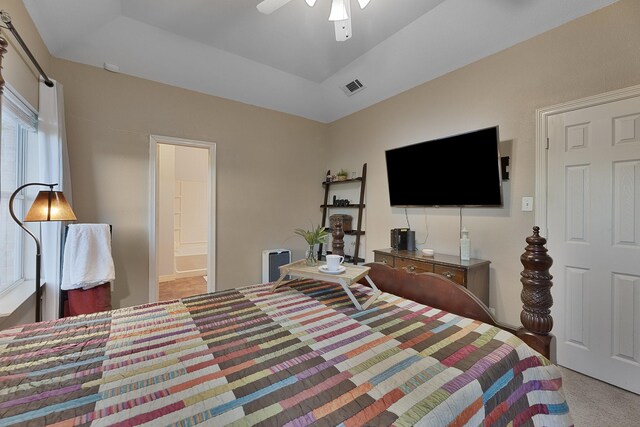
{"points": [[182, 235]]}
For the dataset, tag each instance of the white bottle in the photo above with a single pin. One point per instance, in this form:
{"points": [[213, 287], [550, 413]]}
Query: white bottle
{"points": [[465, 245]]}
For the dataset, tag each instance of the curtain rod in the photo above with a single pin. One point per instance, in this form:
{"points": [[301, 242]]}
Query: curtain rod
{"points": [[6, 18]]}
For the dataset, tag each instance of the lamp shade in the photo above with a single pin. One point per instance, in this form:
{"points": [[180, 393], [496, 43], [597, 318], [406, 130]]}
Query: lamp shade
{"points": [[338, 11], [50, 206]]}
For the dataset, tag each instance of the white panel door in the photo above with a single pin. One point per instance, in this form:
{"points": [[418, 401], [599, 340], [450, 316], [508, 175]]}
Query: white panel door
{"points": [[593, 216]]}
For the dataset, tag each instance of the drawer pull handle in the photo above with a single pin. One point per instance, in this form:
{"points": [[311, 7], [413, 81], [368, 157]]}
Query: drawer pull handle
{"points": [[411, 268], [448, 274]]}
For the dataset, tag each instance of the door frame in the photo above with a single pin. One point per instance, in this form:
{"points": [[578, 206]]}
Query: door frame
{"points": [[154, 141], [541, 167]]}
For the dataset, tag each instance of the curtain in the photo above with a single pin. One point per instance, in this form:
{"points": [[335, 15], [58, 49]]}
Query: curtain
{"points": [[54, 168]]}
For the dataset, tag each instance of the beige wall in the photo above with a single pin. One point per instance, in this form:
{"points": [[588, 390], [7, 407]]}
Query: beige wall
{"points": [[594, 54], [269, 169]]}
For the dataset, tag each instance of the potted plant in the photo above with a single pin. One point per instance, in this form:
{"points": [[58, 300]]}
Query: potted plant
{"points": [[312, 237], [342, 175]]}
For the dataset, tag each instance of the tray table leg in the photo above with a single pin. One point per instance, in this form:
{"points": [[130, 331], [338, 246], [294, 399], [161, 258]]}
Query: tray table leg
{"points": [[376, 293], [373, 285], [353, 299], [279, 282]]}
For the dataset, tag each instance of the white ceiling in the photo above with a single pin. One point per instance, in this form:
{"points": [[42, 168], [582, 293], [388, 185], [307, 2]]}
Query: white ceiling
{"points": [[289, 61]]}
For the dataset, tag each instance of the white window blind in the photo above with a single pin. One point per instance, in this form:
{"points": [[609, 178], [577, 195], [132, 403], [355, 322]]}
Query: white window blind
{"points": [[19, 137]]}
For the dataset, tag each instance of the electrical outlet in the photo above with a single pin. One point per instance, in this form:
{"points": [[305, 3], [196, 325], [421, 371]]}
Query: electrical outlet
{"points": [[527, 204]]}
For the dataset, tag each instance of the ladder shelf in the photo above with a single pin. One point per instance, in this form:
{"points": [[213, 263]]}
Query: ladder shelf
{"points": [[359, 207]]}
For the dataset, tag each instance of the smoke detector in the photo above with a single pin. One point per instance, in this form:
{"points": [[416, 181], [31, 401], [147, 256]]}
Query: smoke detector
{"points": [[111, 67]]}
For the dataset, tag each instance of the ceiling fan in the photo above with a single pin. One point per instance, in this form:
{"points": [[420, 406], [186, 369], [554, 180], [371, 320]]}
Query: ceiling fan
{"points": [[340, 13]]}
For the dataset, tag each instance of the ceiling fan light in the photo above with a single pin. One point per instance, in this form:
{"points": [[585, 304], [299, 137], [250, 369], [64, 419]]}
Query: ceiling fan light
{"points": [[363, 3], [310, 2], [338, 11]]}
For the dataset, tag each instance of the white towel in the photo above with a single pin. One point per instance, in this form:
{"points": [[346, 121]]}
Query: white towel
{"points": [[87, 258]]}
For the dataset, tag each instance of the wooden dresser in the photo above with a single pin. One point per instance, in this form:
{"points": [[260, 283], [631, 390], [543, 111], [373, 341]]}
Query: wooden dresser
{"points": [[472, 274]]}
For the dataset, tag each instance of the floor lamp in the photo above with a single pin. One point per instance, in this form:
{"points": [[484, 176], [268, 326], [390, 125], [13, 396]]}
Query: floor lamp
{"points": [[49, 205]]}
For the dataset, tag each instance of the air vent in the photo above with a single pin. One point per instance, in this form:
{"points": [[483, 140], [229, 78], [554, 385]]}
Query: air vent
{"points": [[353, 87]]}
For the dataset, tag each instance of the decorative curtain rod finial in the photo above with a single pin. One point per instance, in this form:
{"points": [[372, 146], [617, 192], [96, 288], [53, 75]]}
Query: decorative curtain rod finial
{"points": [[6, 19]]}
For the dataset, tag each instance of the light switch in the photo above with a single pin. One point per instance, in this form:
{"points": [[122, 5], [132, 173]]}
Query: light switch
{"points": [[527, 204]]}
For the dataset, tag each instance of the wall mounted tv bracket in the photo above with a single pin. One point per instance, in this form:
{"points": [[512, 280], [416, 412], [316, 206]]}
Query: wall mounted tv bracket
{"points": [[504, 168]]}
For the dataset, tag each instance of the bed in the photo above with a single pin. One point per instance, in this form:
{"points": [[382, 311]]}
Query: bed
{"points": [[302, 355]]}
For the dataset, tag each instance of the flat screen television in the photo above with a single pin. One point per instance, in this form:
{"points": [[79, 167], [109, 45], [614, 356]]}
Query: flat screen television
{"points": [[456, 171]]}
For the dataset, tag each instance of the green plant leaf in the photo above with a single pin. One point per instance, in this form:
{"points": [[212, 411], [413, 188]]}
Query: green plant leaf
{"points": [[314, 236]]}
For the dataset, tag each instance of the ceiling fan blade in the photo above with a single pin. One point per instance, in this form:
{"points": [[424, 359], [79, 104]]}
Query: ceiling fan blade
{"points": [[269, 6]]}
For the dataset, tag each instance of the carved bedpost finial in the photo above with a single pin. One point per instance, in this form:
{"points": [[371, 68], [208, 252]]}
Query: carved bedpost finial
{"points": [[3, 50], [536, 282]]}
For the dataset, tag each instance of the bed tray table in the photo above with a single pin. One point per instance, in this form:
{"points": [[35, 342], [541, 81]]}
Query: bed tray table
{"points": [[351, 275]]}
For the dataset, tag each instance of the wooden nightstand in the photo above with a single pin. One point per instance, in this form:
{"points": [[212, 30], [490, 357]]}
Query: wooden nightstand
{"points": [[472, 274]]}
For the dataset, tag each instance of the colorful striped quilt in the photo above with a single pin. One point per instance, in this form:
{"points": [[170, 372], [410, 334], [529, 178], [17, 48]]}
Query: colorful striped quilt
{"points": [[300, 356]]}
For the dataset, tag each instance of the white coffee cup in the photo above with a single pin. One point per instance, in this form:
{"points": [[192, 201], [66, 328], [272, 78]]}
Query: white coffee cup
{"points": [[334, 261]]}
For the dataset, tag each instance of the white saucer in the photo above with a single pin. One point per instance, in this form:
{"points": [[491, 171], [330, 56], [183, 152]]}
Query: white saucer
{"points": [[323, 269]]}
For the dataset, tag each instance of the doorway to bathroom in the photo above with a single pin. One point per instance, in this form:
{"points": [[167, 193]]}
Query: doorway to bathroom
{"points": [[182, 237]]}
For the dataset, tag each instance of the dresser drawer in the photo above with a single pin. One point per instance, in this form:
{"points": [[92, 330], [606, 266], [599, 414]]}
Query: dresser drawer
{"points": [[472, 274], [414, 266], [455, 274], [385, 259]]}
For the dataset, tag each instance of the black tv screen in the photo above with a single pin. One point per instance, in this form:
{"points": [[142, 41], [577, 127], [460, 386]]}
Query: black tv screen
{"points": [[461, 170]]}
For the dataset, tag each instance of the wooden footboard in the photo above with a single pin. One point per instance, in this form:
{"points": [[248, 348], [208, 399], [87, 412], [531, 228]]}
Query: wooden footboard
{"points": [[437, 291]]}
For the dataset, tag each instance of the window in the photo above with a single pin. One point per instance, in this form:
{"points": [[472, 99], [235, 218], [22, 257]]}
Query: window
{"points": [[19, 139]]}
